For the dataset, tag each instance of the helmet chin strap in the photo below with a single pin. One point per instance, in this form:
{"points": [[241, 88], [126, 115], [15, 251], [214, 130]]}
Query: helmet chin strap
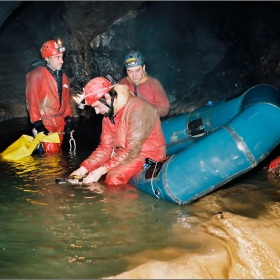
{"points": [[110, 113]]}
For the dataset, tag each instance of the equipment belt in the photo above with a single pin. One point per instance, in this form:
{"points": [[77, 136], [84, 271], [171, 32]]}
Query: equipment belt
{"points": [[52, 116]]}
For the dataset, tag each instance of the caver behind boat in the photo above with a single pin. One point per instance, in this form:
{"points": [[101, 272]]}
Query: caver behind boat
{"points": [[131, 132], [48, 97], [142, 85]]}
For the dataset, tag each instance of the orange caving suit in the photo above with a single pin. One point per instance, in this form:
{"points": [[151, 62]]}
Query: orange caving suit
{"points": [[151, 90], [136, 135], [42, 100]]}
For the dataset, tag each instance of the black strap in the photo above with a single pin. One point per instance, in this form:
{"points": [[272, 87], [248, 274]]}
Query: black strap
{"points": [[57, 74], [110, 113], [135, 89]]}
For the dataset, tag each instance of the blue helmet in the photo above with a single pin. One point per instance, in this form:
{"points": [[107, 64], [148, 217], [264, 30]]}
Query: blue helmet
{"points": [[133, 58]]}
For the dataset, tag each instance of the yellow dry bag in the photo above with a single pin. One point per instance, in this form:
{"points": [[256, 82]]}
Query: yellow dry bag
{"points": [[26, 144]]}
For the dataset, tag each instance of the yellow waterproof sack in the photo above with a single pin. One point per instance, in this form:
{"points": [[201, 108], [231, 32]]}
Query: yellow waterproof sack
{"points": [[26, 144]]}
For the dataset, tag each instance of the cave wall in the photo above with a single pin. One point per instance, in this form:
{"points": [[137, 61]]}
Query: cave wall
{"points": [[200, 51]]}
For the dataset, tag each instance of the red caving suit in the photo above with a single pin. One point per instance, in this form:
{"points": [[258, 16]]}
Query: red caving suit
{"points": [[151, 90], [136, 135], [42, 102]]}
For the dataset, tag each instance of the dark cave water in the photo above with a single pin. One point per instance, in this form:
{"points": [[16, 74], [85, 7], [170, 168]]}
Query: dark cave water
{"points": [[68, 231]]}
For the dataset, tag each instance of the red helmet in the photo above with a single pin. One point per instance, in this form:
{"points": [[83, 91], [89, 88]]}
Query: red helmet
{"points": [[51, 48], [95, 89]]}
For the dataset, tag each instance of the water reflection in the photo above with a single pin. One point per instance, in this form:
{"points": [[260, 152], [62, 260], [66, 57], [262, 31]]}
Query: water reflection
{"points": [[72, 231]]}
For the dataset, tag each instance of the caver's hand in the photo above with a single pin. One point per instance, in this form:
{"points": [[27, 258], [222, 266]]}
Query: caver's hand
{"points": [[95, 175], [40, 127], [80, 171]]}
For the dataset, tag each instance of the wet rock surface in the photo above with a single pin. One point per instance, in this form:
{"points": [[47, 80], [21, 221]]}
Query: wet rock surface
{"points": [[238, 247], [200, 51]]}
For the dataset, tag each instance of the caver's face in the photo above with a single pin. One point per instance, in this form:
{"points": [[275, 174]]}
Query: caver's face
{"points": [[136, 73], [99, 107], [55, 62]]}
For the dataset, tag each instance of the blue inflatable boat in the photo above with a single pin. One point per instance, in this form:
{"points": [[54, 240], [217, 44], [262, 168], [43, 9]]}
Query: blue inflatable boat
{"points": [[213, 144]]}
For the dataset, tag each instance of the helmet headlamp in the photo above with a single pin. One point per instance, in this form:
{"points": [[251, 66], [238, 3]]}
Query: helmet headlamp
{"points": [[58, 45], [82, 105], [134, 58], [131, 62], [80, 100]]}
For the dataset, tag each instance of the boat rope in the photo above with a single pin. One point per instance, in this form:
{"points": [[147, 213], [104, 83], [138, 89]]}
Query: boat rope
{"points": [[154, 191]]}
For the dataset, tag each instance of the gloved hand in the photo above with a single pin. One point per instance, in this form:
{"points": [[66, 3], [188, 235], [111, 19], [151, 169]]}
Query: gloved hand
{"points": [[69, 124], [39, 126]]}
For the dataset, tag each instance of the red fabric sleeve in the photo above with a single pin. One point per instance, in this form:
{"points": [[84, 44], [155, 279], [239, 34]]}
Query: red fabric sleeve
{"points": [[138, 121], [152, 87], [152, 91], [33, 87], [104, 151], [66, 96]]}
